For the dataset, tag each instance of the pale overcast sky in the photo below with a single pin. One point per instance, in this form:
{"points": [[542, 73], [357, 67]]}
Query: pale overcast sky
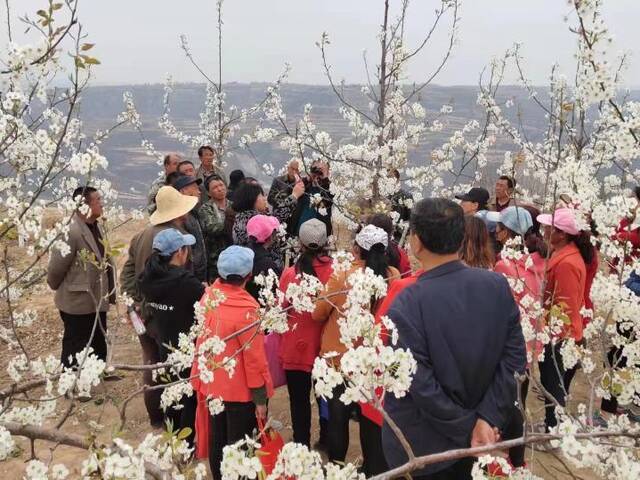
{"points": [[138, 40]]}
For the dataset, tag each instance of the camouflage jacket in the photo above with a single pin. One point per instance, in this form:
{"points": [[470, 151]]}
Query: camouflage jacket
{"points": [[216, 237], [153, 191]]}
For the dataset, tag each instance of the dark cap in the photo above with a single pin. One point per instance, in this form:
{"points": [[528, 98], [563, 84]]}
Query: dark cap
{"points": [[185, 180], [476, 194]]}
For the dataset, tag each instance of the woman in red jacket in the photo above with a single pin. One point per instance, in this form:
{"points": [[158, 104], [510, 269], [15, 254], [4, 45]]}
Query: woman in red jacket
{"points": [[244, 391], [563, 297], [301, 344]]}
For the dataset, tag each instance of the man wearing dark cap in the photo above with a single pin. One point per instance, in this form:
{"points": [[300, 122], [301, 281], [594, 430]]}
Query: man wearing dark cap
{"points": [[190, 186], [474, 200]]}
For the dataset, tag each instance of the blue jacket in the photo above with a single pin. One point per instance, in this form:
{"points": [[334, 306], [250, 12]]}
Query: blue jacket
{"points": [[462, 326]]}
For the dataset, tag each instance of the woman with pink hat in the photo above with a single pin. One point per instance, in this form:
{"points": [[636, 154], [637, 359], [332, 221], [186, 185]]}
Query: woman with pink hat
{"points": [[261, 231], [564, 298]]}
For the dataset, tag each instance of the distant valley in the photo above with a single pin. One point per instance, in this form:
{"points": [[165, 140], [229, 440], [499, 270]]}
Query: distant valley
{"points": [[131, 170]]}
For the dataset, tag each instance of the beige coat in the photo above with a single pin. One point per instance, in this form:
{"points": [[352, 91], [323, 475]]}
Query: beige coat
{"points": [[81, 287]]}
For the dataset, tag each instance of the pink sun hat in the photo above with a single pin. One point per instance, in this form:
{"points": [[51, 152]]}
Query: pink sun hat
{"points": [[261, 227], [563, 219]]}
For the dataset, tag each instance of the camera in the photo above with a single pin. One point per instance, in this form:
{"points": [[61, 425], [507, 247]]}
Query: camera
{"points": [[316, 170]]}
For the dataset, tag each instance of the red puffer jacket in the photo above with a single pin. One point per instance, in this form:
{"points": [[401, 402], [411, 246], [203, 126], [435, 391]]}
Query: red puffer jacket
{"points": [[301, 344]]}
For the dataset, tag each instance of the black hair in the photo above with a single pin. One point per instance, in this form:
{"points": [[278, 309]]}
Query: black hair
{"points": [[304, 263], [511, 182], [385, 222], [212, 178], [249, 180], [203, 148], [439, 224], [185, 162], [245, 197], [585, 247], [235, 280], [85, 192], [235, 177], [636, 192], [376, 259], [172, 177], [156, 263]]}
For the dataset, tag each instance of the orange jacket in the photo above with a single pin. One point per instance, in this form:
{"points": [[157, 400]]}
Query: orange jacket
{"points": [[566, 278], [329, 309], [238, 310]]}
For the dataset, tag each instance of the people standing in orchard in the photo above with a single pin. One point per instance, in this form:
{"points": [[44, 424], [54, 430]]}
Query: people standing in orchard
{"points": [[286, 194], [370, 251], [249, 201], [477, 249], [191, 186], [83, 279], [208, 165], [262, 231], [628, 235], [397, 255], [171, 161], [317, 201], [235, 179], [212, 216], [243, 393], [170, 291], [504, 190], [462, 326], [186, 167], [301, 343], [172, 210], [513, 225], [566, 275], [474, 201]]}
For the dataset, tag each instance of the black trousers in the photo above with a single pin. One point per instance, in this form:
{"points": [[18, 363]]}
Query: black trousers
{"points": [[461, 470], [77, 332], [515, 429], [151, 355], [338, 436], [237, 420], [299, 385], [556, 380], [616, 360]]}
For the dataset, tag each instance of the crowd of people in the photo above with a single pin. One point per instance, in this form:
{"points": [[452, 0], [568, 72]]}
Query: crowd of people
{"points": [[453, 305]]}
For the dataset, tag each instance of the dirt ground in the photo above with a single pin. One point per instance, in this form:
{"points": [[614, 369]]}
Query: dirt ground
{"points": [[45, 337]]}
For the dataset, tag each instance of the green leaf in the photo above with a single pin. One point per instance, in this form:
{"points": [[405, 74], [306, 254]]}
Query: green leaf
{"points": [[90, 60], [56, 6], [42, 13], [87, 46], [79, 62], [184, 433]]}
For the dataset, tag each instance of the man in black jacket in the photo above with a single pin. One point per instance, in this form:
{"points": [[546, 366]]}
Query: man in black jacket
{"points": [[462, 326], [170, 291]]}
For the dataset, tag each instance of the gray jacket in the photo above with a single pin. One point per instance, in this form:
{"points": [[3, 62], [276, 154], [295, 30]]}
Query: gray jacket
{"points": [[81, 287]]}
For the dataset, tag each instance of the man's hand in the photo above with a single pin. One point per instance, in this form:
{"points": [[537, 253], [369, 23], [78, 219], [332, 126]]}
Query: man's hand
{"points": [[261, 412], [298, 189], [483, 434]]}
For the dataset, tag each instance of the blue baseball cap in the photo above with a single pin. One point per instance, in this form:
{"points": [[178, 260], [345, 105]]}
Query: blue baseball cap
{"points": [[516, 219], [169, 241], [488, 219], [235, 260]]}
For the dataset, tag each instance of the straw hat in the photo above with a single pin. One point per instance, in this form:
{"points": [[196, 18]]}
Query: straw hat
{"points": [[171, 204]]}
